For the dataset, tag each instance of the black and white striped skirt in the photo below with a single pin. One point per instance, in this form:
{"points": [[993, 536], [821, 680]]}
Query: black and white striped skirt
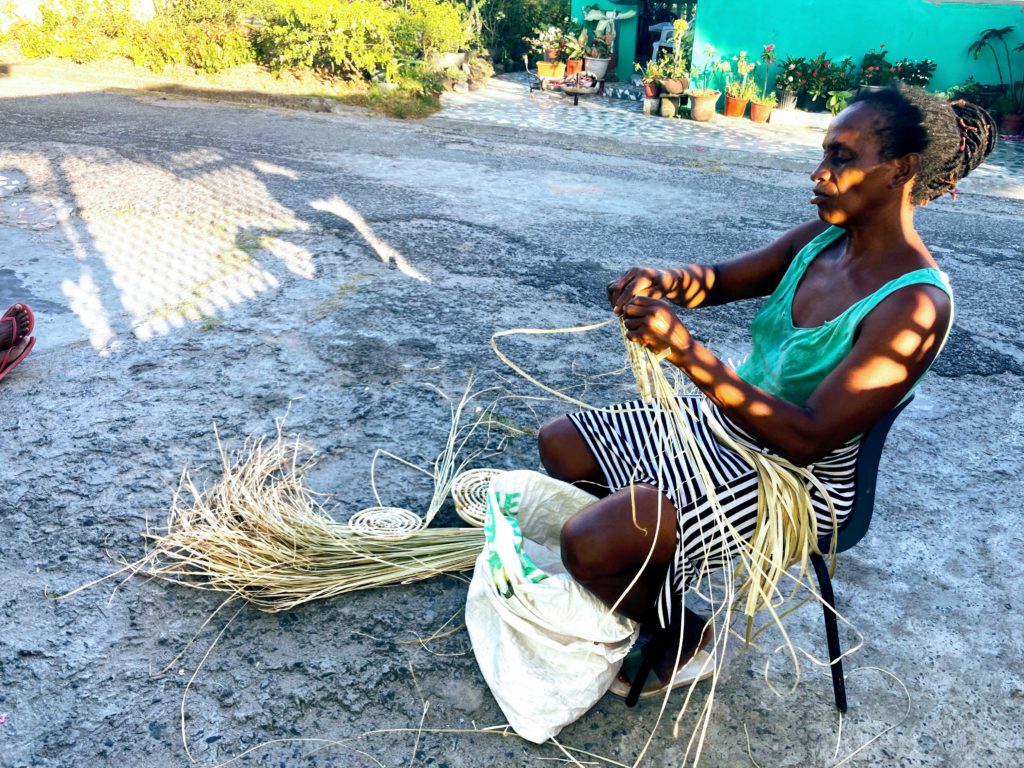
{"points": [[629, 443]]}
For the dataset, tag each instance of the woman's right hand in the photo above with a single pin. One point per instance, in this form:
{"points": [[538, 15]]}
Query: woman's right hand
{"points": [[640, 281]]}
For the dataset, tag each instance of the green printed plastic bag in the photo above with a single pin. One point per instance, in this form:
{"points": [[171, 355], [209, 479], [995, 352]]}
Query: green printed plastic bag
{"points": [[547, 647]]}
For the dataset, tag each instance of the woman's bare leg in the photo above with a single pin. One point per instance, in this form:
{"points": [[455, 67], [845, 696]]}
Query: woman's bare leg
{"points": [[565, 456], [607, 544]]}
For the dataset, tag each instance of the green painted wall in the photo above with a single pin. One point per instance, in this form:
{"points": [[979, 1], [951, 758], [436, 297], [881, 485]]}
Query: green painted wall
{"points": [[915, 29]]}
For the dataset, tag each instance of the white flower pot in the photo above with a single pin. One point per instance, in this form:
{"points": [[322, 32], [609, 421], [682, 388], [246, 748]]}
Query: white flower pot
{"points": [[597, 67]]}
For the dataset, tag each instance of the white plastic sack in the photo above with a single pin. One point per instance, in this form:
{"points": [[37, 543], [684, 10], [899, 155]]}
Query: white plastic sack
{"points": [[547, 648]]}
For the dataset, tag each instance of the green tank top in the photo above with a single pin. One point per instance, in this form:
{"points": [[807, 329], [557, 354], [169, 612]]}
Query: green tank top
{"points": [[790, 362]]}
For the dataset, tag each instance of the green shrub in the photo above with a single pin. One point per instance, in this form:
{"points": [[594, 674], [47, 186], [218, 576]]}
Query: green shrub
{"points": [[341, 37], [185, 12], [431, 26], [215, 47], [418, 78], [154, 44], [80, 30]]}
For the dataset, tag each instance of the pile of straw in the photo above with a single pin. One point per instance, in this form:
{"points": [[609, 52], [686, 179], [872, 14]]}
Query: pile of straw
{"points": [[261, 535]]}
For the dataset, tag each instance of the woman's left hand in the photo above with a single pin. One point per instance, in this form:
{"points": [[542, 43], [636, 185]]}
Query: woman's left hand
{"points": [[652, 323]]}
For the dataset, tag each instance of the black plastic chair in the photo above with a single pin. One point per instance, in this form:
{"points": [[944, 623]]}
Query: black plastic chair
{"points": [[851, 532]]}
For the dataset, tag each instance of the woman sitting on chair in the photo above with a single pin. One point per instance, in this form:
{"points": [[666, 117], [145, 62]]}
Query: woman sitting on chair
{"points": [[857, 311]]}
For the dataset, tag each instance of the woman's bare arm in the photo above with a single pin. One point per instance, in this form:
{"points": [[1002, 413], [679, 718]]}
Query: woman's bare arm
{"points": [[897, 342], [750, 275]]}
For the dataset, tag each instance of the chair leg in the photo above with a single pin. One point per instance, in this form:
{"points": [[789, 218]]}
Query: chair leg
{"points": [[831, 630]]}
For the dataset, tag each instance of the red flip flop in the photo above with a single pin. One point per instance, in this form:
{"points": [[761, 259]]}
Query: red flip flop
{"points": [[8, 363], [11, 315]]}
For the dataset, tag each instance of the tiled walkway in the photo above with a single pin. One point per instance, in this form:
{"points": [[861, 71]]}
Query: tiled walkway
{"points": [[508, 102]]}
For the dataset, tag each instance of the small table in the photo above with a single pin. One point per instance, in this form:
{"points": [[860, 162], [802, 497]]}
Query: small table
{"points": [[577, 91]]}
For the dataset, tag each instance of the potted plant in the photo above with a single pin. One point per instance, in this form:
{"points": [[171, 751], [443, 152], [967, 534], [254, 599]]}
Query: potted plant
{"points": [[837, 101], [761, 106], [787, 81], [914, 72], [548, 41], [650, 77], [1009, 106], [575, 50], [815, 83], [738, 91], [599, 55], [606, 27], [675, 74], [704, 98], [876, 71]]}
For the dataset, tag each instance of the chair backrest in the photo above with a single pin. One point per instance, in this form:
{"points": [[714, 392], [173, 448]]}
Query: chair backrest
{"points": [[865, 477]]}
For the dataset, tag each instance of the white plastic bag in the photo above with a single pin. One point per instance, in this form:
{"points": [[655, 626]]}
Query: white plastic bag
{"points": [[547, 648]]}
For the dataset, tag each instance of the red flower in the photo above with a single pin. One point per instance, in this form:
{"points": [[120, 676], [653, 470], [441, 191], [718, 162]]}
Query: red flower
{"points": [[770, 47], [882, 45], [802, 82]]}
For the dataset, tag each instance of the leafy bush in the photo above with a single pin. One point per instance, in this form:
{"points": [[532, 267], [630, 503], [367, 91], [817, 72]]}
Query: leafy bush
{"points": [[346, 38], [502, 25], [416, 77], [215, 47], [349, 38], [915, 72], [431, 26], [154, 44], [185, 12], [80, 30]]}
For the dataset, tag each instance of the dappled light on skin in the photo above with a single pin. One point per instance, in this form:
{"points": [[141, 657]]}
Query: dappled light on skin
{"points": [[892, 370], [384, 250], [828, 210], [924, 314], [760, 408], [729, 394], [698, 283], [907, 341], [880, 372]]}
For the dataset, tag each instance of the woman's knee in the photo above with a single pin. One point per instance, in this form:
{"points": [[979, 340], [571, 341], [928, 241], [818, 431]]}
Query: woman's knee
{"points": [[564, 453], [619, 534], [582, 550]]}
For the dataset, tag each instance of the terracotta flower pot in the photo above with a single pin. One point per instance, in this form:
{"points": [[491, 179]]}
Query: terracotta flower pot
{"points": [[674, 85], [572, 66], [760, 113], [735, 107], [1011, 125], [651, 90], [702, 104]]}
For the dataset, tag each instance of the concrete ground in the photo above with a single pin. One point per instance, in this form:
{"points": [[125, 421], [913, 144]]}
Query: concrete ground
{"points": [[192, 263]]}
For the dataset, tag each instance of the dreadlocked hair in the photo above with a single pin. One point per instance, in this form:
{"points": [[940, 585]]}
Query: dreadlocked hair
{"points": [[952, 138]]}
